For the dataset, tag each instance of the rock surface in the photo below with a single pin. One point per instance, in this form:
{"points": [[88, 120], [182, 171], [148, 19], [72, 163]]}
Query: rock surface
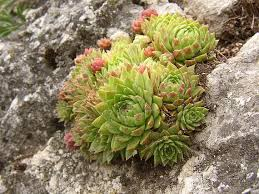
{"points": [[214, 13], [163, 8], [227, 152], [34, 63]]}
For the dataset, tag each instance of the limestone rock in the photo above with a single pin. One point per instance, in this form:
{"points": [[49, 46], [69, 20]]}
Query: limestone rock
{"points": [[226, 151], [213, 13], [35, 61], [233, 89], [150, 2], [232, 133], [163, 8]]}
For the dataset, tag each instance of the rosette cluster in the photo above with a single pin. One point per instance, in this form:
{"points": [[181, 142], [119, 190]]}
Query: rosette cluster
{"points": [[184, 41], [141, 96]]}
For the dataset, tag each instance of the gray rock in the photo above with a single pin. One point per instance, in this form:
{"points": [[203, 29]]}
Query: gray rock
{"points": [[65, 172], [163, 8], [231, 138], [2, 186], [150, 2], [228, 148], [233, 89], [35, 61], [214, 13]]}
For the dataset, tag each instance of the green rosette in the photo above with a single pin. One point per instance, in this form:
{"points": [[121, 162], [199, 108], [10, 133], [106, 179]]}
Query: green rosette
{"points": [[166, 148], [187, 40], [129, 111], [191, 116]]}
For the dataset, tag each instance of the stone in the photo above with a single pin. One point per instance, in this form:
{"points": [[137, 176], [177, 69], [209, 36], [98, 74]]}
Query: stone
{"points": [[35, 61], [220, 165], [237, 114], [213, 13], [33, 71], [163, 8], [247, 191], [150, 2], [3, 189]]}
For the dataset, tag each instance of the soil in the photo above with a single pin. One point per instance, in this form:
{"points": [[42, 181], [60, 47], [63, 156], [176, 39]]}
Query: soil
{"points": [[142, 170]]}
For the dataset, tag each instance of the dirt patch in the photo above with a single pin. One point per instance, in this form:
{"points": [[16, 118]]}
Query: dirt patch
{"points": [[146, 172], [243, 23], [203, 69]]}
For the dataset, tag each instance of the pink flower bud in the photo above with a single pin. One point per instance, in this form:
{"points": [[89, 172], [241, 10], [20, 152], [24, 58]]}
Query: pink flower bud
{"points": [[149, 51], [142, 68], [104, 43], [97, 64], [69, 141], [147, 13], [136, 25]]}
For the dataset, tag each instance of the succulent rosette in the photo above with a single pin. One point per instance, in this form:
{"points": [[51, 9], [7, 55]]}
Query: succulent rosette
{"points": [[177, 87], [141, 40], [129, 110], [187, 40], [191, 116], [115, 55], [93, 145], [167, 149], [155, 24], [77, 98], [65, 111], [123, 52]]}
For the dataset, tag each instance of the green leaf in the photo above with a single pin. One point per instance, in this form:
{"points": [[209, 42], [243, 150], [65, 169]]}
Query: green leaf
{"points": [[117, 145], [133, 143]]}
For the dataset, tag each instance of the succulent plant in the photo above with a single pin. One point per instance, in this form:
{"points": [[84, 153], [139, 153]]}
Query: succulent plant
{"points": [[141, 40], [65, 111], [104, 43], [136, 25], [147, 13], [177, 87], [69, 141], [149, 51], [129, 110], [191, 116], [77, 97], [97, 64], [187, 40], [166, 148], [141, 96], [155, 24], [124, 51]]}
